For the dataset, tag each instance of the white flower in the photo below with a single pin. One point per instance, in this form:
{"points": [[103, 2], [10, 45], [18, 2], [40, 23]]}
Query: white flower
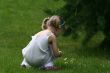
{"points": [[65, 59], [66, 62]]}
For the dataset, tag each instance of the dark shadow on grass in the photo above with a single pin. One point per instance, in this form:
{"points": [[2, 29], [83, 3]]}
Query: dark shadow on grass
{"points": [[94, 52], [62, 67]]}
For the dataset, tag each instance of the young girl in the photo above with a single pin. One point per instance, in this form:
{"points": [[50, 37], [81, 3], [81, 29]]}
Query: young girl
{"points": [[42, 49]]}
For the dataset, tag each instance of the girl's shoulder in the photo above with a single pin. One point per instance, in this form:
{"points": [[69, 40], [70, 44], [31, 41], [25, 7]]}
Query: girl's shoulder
{"points": [[44, 32]]}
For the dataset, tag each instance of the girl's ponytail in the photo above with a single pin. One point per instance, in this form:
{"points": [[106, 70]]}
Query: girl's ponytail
{"points": [[44, 23]]}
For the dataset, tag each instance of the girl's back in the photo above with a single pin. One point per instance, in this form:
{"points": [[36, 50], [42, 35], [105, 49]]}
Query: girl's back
{"points": [[38, 50]]}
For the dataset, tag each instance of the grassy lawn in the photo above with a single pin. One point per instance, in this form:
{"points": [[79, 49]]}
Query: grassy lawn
{"points": [[20, 19]]}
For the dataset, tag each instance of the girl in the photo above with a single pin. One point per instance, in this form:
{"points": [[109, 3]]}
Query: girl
{"points": [[42, 49]]}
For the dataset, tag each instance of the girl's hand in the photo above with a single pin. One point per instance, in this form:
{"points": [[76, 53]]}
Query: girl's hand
{"points": [[60, 52]]}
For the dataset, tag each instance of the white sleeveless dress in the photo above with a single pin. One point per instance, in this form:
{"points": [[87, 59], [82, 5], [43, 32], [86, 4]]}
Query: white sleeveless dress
{"points": [[37, 52]]}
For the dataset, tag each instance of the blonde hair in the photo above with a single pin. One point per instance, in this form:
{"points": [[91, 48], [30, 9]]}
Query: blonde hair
{"points": [[44, 23], [54, 21]]}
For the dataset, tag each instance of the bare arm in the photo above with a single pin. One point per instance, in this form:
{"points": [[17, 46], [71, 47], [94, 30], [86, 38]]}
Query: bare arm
{"points": [[53, 43]]}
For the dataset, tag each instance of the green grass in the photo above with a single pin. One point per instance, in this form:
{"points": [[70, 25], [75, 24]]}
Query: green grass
{"points": [[20, 19]]}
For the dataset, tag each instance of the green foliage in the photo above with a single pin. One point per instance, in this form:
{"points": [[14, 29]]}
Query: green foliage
{"points": [[96, 40], [91, 16]]}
